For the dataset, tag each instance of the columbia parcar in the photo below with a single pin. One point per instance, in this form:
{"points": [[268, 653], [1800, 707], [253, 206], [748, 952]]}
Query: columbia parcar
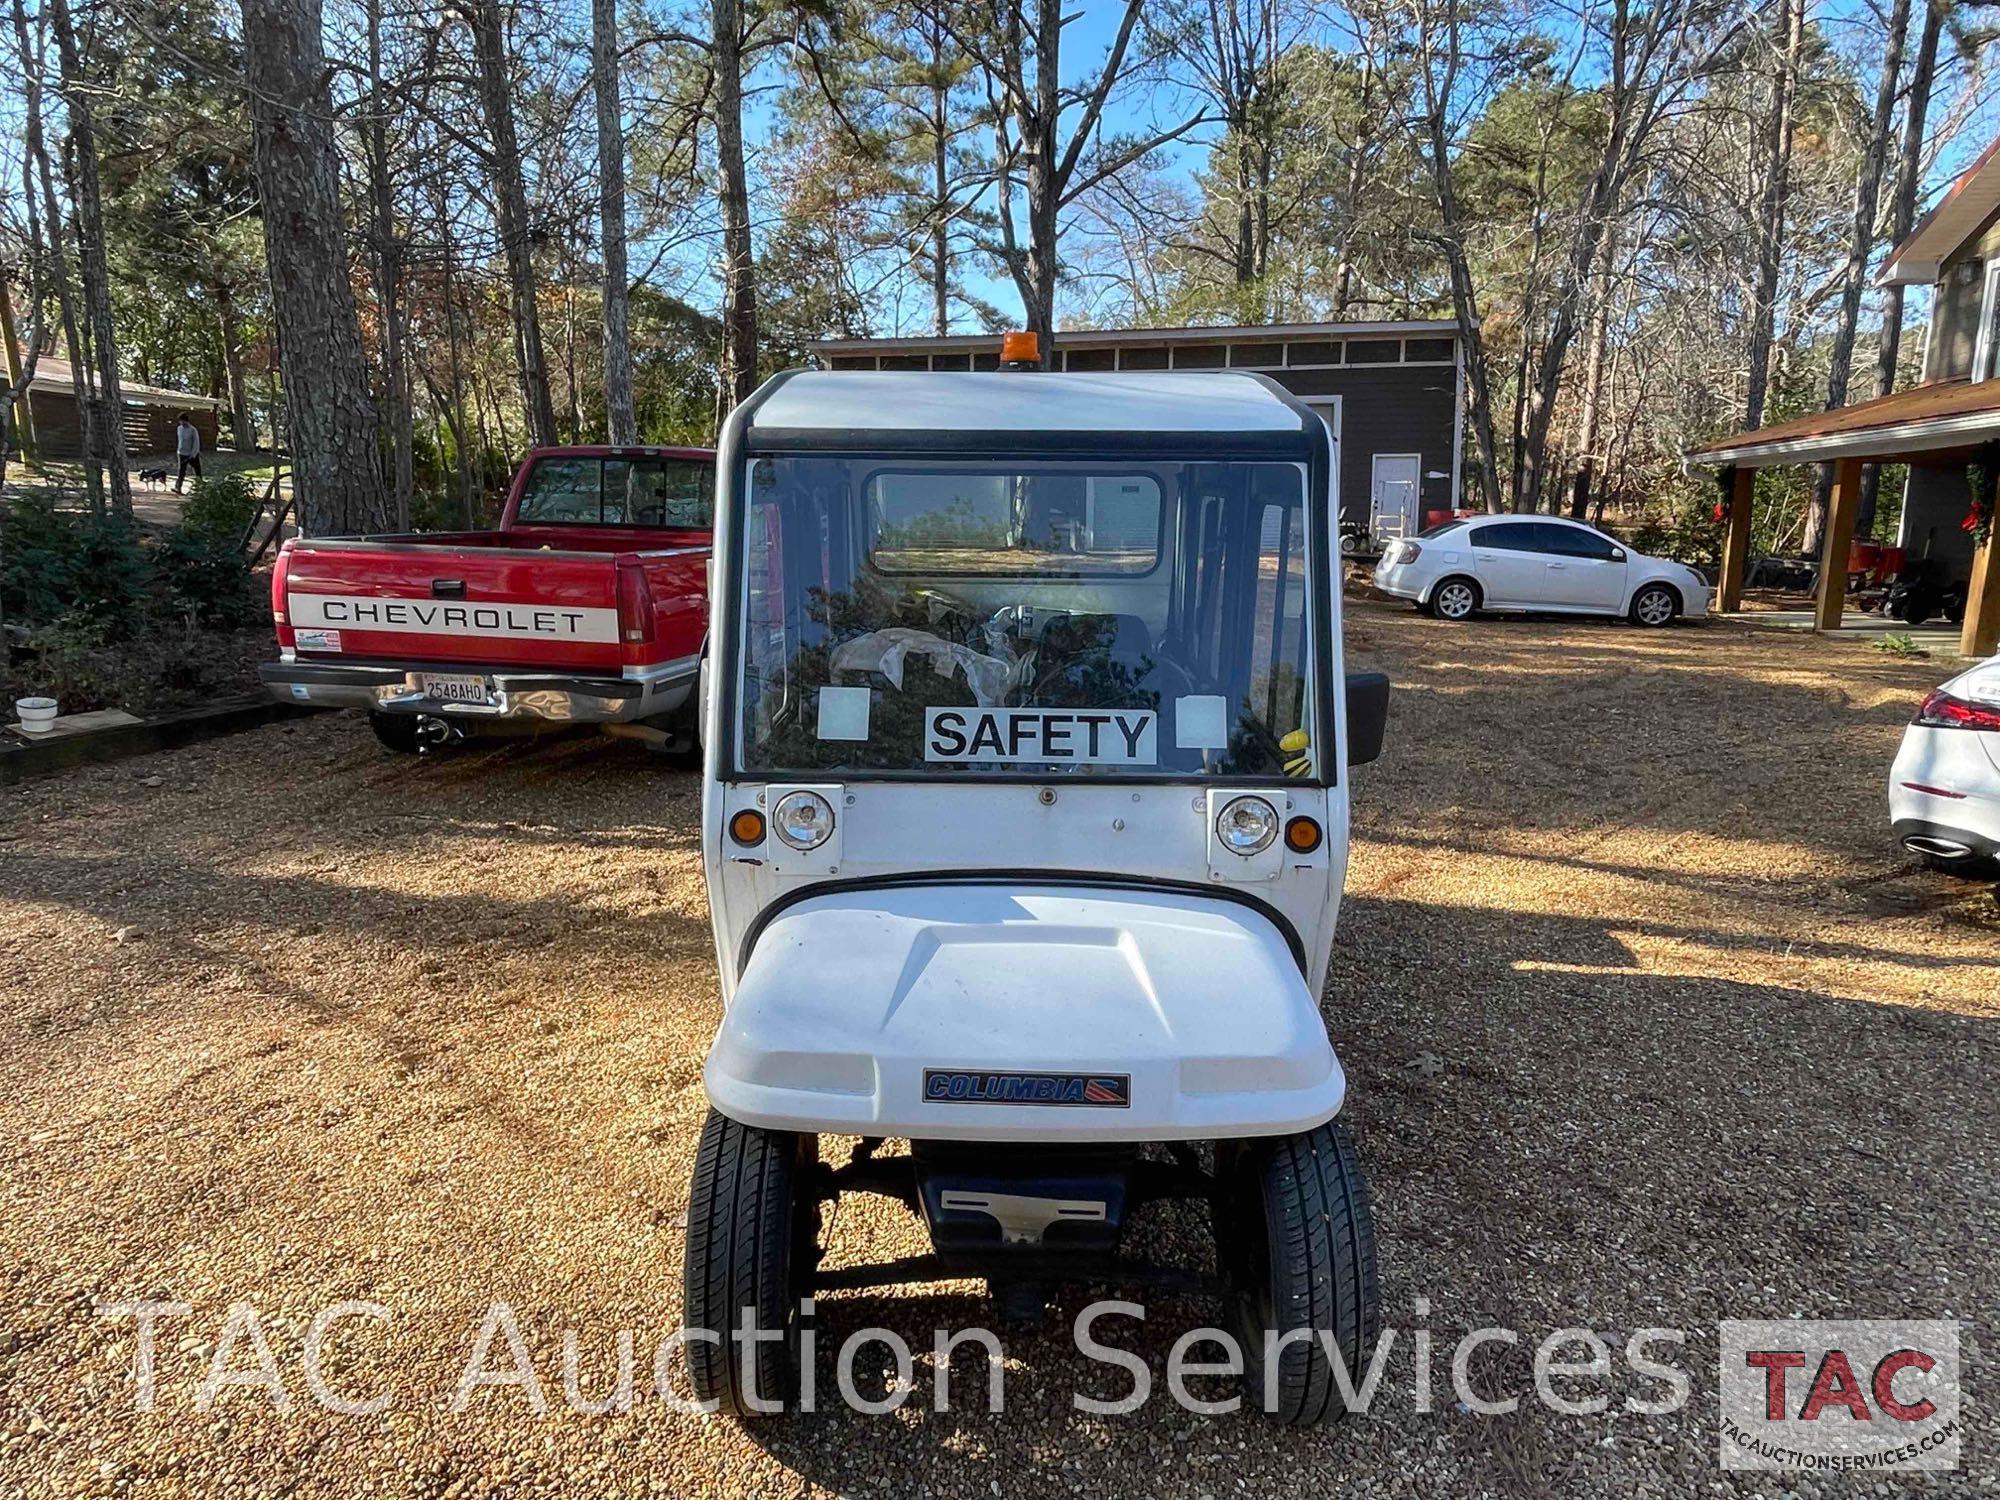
{"points": [[1025, 820]]}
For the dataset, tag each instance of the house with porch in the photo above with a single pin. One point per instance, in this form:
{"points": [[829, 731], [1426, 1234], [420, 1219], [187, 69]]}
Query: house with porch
{"points": [[1946, 428]]}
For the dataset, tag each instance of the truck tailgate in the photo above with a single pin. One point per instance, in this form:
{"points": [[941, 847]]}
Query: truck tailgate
{"points": [[420, 603]]}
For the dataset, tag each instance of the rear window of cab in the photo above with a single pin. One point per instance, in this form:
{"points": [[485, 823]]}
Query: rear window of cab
{"points": [[588, 490]]}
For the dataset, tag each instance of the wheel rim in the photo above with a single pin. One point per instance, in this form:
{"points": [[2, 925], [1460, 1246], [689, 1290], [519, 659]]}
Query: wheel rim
{"points": [[1454, 601], [1655, 608]]}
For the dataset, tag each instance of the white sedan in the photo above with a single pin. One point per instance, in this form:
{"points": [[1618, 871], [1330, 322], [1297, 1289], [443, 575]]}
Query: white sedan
{"points": [[1544, 563], [1944, 790]]}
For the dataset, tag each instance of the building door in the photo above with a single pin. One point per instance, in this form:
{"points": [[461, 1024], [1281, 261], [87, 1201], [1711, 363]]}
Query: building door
{"points": [[1392, 504]]}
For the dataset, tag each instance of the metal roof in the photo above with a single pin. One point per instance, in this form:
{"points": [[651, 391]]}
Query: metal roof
{"points": [[1943, 415], [53, 378], [1087, 338], [1955, 218], [1180, 402]]}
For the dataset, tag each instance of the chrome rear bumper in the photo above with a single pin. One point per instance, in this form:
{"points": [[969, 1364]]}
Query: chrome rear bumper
{"points": [[512, 693]]}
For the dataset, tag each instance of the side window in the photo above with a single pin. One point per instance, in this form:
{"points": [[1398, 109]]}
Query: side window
{"points": [[1509, 536], [1278, 680], [562, 491], [1985, 346], [1574, 541]]}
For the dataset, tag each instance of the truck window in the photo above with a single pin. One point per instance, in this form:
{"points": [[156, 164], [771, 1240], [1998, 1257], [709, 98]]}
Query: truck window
{"points": [[593, 491]]}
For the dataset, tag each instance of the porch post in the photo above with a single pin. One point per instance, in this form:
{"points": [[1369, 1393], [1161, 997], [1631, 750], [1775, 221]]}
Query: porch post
{"points": [[1981, 636], [1834, 546], [1742, 485]]}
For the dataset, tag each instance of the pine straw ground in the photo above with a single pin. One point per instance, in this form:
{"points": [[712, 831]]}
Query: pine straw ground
{"points": [[1646, 1020]]}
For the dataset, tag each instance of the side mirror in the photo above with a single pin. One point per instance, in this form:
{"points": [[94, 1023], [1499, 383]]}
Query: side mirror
{"points": [[1367, 715], [1618, 554]]}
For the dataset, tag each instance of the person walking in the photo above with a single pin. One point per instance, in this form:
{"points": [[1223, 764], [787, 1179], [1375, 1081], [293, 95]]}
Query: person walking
{"points": [[187, 444]]}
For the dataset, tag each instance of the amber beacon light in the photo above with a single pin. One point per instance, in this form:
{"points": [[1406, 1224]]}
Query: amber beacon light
{"points": [[1020, 348]]}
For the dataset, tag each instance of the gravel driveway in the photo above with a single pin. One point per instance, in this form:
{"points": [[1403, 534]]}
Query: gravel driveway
{"points": [[1646, 1021]]}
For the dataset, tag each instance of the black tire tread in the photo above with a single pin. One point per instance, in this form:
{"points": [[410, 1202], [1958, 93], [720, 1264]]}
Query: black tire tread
{"points": [[1322, 1267], [739, 1246]]}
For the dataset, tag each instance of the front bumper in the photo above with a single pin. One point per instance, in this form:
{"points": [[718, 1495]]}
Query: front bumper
{"points": [[513, 694], [1023, 1014]]}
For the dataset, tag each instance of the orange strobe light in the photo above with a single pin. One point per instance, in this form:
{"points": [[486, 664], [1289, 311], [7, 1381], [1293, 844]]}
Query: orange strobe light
{"points": [[1020, 348]]}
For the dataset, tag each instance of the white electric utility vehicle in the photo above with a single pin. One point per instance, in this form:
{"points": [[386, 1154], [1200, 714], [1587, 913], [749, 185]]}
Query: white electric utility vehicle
{"points": [[1025, 820]]}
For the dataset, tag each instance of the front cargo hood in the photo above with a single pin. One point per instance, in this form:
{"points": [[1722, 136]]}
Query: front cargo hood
{"points": [[920, 1011]]}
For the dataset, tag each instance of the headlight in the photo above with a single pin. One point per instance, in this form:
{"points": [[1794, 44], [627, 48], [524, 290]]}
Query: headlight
{"points": [[1246, 825], [803, 820]]}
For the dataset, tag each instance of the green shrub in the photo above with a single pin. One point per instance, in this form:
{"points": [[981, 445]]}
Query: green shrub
{"points": [[68, 564], [219, 509], [207, 580]]}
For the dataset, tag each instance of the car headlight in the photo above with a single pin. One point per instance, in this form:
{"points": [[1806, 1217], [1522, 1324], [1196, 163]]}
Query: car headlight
{"points": [[1246, 825], [804, 820]]}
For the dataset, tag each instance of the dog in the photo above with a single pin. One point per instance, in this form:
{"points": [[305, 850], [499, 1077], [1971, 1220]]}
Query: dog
{"points": [[153, 476]]}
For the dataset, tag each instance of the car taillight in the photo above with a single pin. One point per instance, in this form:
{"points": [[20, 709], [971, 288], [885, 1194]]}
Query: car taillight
{"points": [[1411, 552], [280, 571], [635, 606], [1942, 711]]}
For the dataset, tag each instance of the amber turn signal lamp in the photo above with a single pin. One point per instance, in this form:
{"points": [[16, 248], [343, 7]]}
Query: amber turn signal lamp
{"points": [[1302, 836], [1020, 349], [747, 826]]}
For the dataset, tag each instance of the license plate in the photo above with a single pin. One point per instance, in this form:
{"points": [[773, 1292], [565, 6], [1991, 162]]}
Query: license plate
{"points": [[441, 687]]}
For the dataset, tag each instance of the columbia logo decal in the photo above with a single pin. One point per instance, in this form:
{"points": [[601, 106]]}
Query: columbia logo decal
{"points": [[1074, 1090]]}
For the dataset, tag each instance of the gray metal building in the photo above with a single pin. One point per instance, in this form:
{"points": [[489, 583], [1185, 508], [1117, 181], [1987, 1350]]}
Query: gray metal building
{"points": [[1392, 392]]}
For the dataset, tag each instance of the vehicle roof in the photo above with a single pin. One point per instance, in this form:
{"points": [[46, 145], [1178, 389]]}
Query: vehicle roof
{"points": [[622, 450], [911, 409]]}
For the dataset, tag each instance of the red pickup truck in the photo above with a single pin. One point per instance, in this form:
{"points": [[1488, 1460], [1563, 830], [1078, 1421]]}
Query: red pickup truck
{"points": [[588, 605]]}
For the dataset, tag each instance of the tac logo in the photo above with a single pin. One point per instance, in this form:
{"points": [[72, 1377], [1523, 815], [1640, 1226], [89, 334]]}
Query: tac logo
{"points": [[1863, 1395]]}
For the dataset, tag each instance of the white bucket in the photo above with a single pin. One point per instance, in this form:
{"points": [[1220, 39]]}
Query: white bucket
{"points": [[37, 715]]}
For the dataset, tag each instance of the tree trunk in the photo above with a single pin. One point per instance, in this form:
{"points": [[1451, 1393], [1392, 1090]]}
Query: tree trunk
{"points": [[332, 424], [1357, 169], [510, 198], [81, 160], [1776, 176], [620, 421], [462, 433], [1464, 296], [35, 169], [242, 425], [739, 285], [388, 265], [1867, 202], [940, 184], [1901, 215], [1593, 379]]}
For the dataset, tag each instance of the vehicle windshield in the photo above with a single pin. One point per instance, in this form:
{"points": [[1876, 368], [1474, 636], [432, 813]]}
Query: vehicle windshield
{"points": [[1098, 618]]}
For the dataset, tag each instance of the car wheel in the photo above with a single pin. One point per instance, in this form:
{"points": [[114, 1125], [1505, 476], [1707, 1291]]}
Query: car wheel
{"points": [[1455, 599], [397, 732], [1296, 1232], [1655, 605], [750, 1258], [1912, 613]]}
